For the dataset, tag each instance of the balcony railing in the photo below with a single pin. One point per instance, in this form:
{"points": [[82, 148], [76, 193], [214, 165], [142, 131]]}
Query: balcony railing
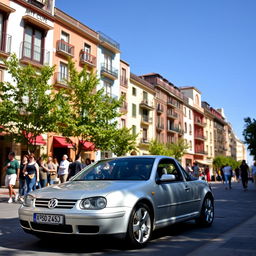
{"points": [[103, 37], [172, 103], [200, 151], [174, 128], [159, 126], [146, 104], [34, 54], [124, 107], [200, 136], [199, 122], [146, 119], [144, 141], [109, 70], [160, 109], [87, 58], [61, 79], [5, 43], [124, 81], [172, 114], [65, 48]]}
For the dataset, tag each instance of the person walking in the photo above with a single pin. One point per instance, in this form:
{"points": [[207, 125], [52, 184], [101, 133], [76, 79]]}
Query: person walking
{"points": [[12, 169], [75, 167], [22, 179], [52, 170], [31, 171], [207, 173], [254, 173], [43, 172], [227, 171], [196, 170], [237, 173], [63, 169], [244, 168], [189, 169]]}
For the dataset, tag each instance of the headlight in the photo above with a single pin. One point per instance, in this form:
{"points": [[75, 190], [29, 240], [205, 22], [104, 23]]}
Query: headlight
{"points": [[28, 201], [93, 203]]}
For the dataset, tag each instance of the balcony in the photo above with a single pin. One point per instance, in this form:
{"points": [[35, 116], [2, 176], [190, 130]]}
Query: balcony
{"points": [[124, 108], [34, 55], [172, 114], [87, 59], [109, 43], [199, 151], [172, 103], [109, 71], [144, 141], [5, 45], [160, 109], [175, 129], [160, 127], [61, 79], [199, 122], [124, 81], [65, 48], [146, 104], [200, 137], [145, 119]]}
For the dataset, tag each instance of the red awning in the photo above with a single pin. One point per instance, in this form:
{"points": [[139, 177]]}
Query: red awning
{"points": [[38, 140], [61, 142], [87, 146]]}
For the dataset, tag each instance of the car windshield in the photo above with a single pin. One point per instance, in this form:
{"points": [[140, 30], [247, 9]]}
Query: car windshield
{"points": [[118, 169]]}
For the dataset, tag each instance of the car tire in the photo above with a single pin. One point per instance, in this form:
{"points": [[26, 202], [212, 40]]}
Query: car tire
{"points": [[207, 213], [139, 226]]}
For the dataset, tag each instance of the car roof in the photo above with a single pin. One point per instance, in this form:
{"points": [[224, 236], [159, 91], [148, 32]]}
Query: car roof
{"points": [[144, 156]]}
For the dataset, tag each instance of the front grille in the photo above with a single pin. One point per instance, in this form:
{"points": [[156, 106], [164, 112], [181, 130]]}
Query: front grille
{"points": [[62, 203], [52, 228], [88, 229]]}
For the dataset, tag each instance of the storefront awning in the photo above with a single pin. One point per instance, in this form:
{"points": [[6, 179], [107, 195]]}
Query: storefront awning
{"points": [[38, 140], [61, 142], [203, 162], [87, 146]]}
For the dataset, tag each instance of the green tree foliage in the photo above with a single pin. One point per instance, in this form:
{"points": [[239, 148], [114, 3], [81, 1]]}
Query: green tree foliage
{"points": [[176, 150], [124, 142], [27, 104], [220, 161], [249, 134], [91, 115]]}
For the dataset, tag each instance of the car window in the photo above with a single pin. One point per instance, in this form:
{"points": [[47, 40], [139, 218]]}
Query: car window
{"points": [[133, 168], [185, 174], [168, 166]]}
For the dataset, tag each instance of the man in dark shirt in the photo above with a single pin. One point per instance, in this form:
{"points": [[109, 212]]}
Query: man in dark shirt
{"points": [[75, 167]]}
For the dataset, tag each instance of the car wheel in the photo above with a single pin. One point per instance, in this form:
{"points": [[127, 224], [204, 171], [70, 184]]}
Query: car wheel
{"points": [[140, 226], [207, 213]]}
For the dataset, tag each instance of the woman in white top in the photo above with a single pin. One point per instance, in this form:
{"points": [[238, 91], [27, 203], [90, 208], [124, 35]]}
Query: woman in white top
{"points": [[254, 173]]}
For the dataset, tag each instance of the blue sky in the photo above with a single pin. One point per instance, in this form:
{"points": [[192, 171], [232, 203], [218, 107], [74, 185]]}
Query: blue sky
{"points": [[209, 44]]}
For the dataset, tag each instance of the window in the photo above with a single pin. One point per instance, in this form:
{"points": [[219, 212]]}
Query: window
{"points": [[186, 128], [145, 134], [190, 144], [123, 124], [87, 53], [134, 130], [134, 110], [123, 76], [1, 75], [63, 75], [1, 27], [197, 99], [107, 62], [145, 97], [185, 111], [107, 87], [190, 129], [64, 36], [189, 114], [33, 42], [134, 91]]}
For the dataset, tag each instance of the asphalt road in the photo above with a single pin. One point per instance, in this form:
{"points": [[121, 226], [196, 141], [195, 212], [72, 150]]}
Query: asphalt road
{"points": [[232, 208]]}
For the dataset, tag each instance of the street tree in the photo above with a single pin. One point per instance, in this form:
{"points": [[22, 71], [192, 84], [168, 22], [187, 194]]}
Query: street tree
{"points": [[249, 134], [27, 103], [220, 161], [90, 114]]}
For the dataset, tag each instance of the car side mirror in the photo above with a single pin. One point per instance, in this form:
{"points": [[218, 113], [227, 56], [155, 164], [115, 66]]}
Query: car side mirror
{"points": [[166, 177]]}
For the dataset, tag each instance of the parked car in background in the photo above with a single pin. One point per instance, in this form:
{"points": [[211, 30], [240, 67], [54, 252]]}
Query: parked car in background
{"points": [[127, 196]]}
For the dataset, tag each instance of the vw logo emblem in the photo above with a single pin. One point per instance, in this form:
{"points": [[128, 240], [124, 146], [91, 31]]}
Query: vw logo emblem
{"points": [[52, 203]]}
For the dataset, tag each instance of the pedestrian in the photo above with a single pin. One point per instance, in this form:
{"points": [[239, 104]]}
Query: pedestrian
{"points": [[227, 171], [75, 167], [222, 174], [88, 161], [63, 169], [237, 173], [189, 169], [207, 173], [52, 171], [31, 171], [196, 170], [43, 173], [244, 168], [254, 173], [22, 179], [12, 169]]}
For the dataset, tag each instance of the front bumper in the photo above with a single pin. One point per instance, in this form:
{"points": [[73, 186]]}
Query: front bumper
{"points": [[107, 221]]}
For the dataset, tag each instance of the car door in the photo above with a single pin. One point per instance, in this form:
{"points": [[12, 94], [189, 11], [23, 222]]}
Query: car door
{"points": [[171, 197]]}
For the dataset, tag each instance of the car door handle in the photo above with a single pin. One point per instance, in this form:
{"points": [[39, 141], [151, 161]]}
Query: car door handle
{"points": [[187, 188]]}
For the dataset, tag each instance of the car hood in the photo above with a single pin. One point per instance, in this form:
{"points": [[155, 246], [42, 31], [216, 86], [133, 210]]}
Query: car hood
{"points": [[81, 189]]}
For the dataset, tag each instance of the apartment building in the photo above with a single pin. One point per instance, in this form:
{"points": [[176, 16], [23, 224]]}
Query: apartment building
{"points": [[199, 122], [140, 116], [188, 119], [26, 29], [240, 150], [169, 109]]}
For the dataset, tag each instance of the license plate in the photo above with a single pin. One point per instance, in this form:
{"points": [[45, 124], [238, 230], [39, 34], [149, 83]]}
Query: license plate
{"points": [[48, 218]]}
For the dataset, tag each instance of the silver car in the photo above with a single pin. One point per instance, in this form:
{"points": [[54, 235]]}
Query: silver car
{"points": [[128, 196]]}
